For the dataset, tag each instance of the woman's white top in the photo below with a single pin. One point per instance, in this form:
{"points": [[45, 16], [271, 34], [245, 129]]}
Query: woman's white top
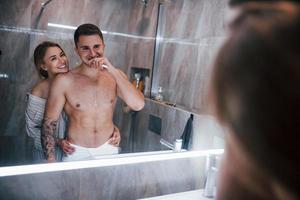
{"points": [[34, 115]]}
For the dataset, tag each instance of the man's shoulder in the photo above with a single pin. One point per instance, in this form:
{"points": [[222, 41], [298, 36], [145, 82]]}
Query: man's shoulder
{"points": [[63, 78], [76, 69]]}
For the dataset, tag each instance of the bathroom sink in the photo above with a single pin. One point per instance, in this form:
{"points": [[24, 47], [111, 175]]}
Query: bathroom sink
{"points": [[190, 195]]}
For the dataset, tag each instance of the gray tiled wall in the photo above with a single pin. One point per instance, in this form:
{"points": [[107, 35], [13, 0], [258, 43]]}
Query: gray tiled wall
{"points": [[124, 182]]}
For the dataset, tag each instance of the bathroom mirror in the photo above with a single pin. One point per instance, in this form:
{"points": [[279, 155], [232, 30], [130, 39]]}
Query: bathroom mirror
{"points": [[171, 41]]}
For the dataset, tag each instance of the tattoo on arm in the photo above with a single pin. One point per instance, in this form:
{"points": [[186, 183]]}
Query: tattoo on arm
{"points": [[48, 137]]}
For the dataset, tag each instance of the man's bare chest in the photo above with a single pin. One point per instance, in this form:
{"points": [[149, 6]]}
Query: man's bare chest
{"points": [[91, 94]]}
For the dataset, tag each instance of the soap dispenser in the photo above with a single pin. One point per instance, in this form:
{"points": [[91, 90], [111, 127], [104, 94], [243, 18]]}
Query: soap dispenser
{"points": [[159, 96]]}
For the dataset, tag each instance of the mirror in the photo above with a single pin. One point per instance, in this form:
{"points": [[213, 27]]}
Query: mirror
{"points": [[172, 42]]}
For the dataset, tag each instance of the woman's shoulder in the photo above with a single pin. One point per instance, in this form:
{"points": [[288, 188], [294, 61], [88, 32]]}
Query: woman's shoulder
{"points": [[41, 89]]}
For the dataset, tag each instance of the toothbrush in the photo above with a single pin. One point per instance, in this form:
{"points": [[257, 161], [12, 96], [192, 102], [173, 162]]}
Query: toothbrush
{"points": [[104, 66]]}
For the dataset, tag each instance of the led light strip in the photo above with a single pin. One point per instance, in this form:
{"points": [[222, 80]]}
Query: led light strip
{"points": [[62, 26], [202, 42], [197, 42], [103, 31], [104, 162]]}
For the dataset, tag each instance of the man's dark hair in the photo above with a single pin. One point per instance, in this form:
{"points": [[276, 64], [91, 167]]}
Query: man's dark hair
{"points": [[87, 29]]}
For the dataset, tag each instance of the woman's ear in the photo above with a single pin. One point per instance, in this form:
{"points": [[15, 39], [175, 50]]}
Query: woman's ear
{"points": [[43, 67]]}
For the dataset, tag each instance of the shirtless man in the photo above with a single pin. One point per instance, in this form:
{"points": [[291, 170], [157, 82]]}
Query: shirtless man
{"points": [[88, 95]]}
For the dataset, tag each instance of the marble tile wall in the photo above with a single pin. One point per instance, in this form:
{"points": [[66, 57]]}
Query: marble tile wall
{"points": [[191, 32], [128, 182]]}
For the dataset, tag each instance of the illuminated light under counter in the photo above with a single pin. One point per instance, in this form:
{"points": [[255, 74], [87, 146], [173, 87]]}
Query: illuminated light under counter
{"points": [[106, 161], [190, 195]]}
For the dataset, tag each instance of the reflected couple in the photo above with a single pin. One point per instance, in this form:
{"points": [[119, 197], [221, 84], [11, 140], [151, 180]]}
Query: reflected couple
{"points": [[86, 94]]}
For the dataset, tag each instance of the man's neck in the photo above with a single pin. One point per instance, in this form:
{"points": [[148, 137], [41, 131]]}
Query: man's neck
{"points": [[88, 71]]}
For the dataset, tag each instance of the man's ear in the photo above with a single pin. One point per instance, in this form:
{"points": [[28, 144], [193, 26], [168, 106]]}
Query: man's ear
{"points": [[76, 50]]}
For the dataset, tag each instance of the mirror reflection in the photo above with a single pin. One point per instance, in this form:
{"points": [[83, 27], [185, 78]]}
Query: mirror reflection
{"points": [[167, 61]]}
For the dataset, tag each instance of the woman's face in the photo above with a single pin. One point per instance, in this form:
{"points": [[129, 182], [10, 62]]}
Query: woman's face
{"points": [[55, 61]]}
